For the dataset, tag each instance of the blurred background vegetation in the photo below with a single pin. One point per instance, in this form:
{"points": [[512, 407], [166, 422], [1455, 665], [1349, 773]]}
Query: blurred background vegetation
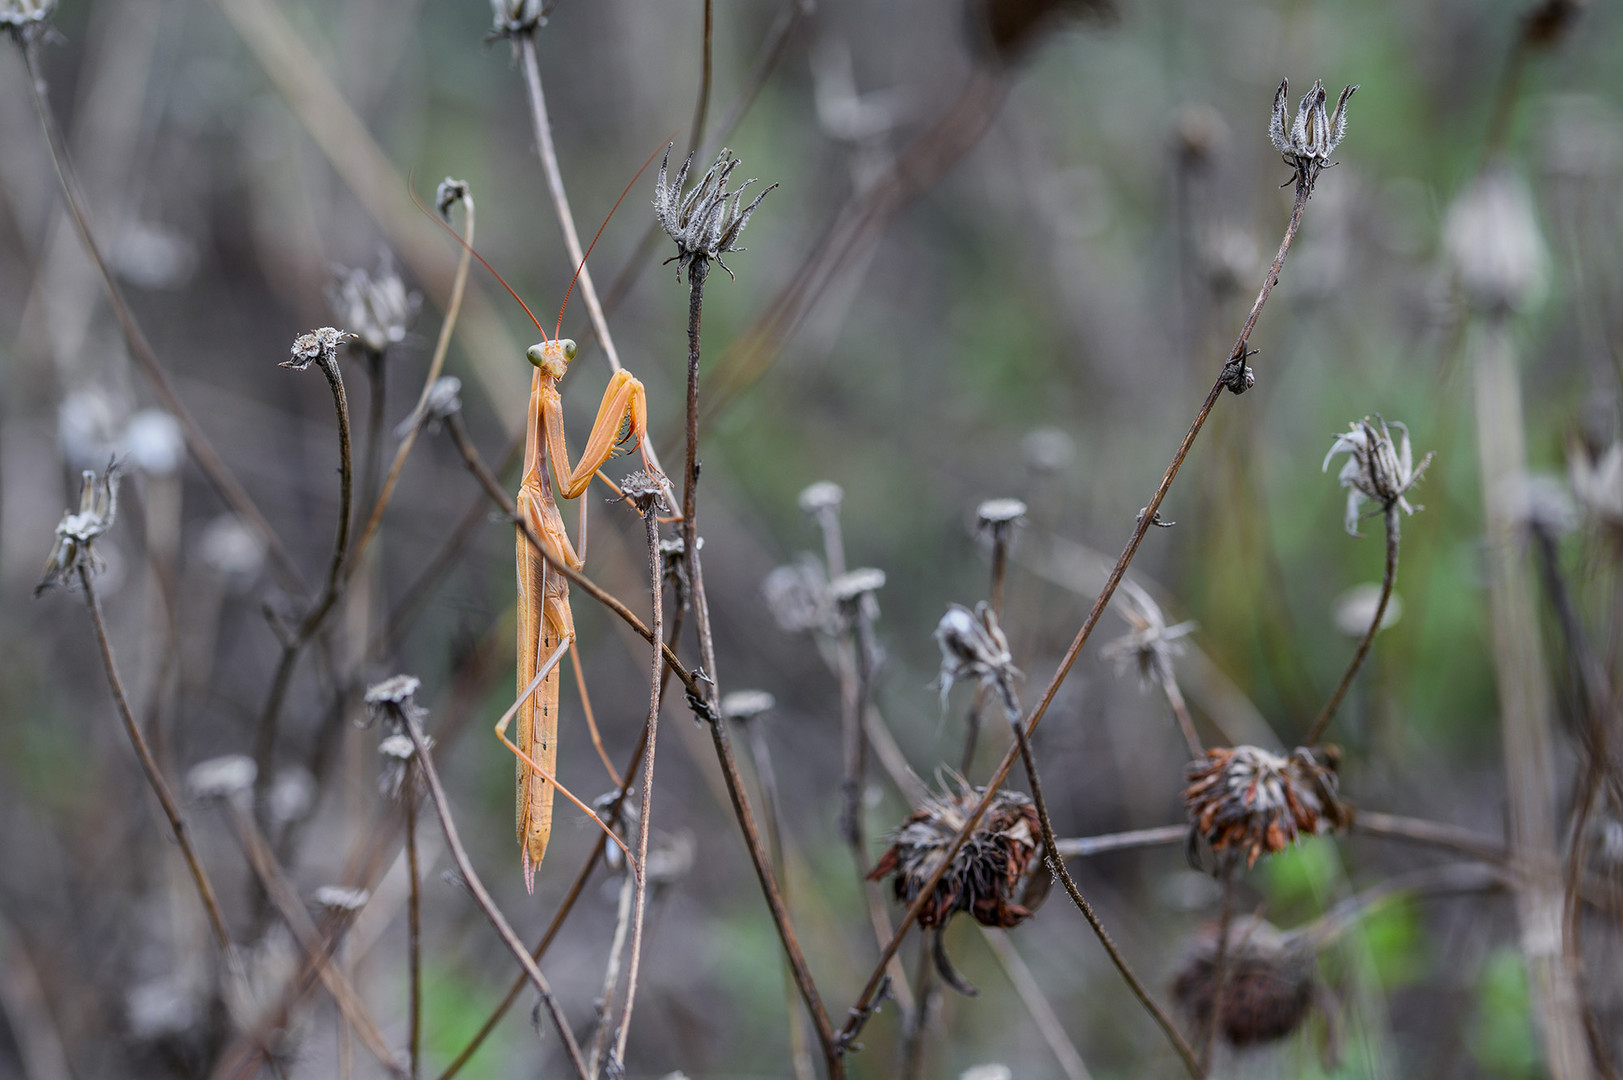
{"points": [[1034, 310]]}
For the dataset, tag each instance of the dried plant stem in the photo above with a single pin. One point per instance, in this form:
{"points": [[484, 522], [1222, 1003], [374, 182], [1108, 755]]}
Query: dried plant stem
{"points": [[1225, 918], [1316, 732], [294, 642], [154, 775], [447, 325], [1145, 518], [656, 671], [286, 900], [482, 897], [1057, 865], [414, 931], [701, 108], [611, 970], [1000, 570], [913, 1031], [1180, 712], [376, 402], [219, 476], [698, 272]]}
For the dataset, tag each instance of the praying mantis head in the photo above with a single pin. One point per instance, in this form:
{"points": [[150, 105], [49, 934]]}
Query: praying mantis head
{"points": [[552, 356]]}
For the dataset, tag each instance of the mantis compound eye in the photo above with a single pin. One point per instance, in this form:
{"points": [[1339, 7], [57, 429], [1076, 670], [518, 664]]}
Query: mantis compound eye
{"points": [[537, 354], [569, 349]]}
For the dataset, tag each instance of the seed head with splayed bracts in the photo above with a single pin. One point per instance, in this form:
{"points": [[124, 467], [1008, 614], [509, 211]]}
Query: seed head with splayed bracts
{"points": [[78, 530], [988, 876], [1269, 982], [973, 647], [375, 302], [707, 221], [1150, 644], [1306, 143], [1248, 800], [318, 345], [1378, 469]]}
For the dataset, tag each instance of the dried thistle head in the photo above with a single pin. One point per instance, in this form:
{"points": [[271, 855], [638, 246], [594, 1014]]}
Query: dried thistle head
{"points": [[1493, 239], [1246, 800], [78, 530], [317, 346], [1269, 982], [988, 876], [1307, 142], [1151, 644], [973, 646], [707, 221], [1377, 470], [375, 302], [26, 20]]}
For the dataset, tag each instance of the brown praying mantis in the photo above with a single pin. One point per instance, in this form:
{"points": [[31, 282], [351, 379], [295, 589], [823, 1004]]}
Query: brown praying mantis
{"points": [[546, 625]]}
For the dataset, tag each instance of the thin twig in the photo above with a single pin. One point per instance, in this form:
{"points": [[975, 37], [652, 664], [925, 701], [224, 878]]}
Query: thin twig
{"points": [[269, 718], [447, 325], [414, 927], [476, 888], [1145, 517], [1057, 865], [611, 970], [698, 272], [913, 1032], [1317, 730], [149, 765], [221, 477]]}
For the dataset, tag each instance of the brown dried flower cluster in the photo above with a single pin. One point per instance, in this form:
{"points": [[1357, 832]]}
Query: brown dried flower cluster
{"points": [[986, 875], [1269, 982], [1246, 799]]}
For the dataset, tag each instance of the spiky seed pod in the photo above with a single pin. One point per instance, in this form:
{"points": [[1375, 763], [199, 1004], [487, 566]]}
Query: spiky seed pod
{"points": [[1268, 982], [1378, 469], [1247, 800], [76, 533], [706, 221], [986, 876], [1307, 143]]}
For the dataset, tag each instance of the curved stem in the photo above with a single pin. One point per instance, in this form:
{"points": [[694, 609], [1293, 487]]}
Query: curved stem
{"points": [[1057, 865], [1317, 730]]}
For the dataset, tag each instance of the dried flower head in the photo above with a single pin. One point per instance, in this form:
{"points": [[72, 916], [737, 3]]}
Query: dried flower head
{"points": [[511, 18], [1377, 469], [707, 221], [986, 878], [375, 303], [821, 497], [340, 899], [442, 401], [1269, 982], [1307, 143], [746, 704], [799, 598], [221, 778], [318, 345], [1493, 240], [1597, 483], [973, 647], [645, 491], [394, 700], [449, 193], [78, 530], [1151, 644], [1250, 801], [26, 20]]}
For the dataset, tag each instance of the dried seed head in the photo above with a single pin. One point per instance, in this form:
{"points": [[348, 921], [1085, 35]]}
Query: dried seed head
{"points": [[154, 443], [318, 345], [77, 531], [449, 193], [1493, 239], [1246, 800], [341, 899], [799, 598], [973, 647], [26, 20], [1047, 450], [856, 595], [989, 871], [1268, 982], [1307, 143], [820, 497], [394, 700], [511, 18], [1151, 644], [442, 401], [394, 691], [707, 221], [221, 777], [376, 303], [1377, 469], [1597, 483], [645, 491], [291, 795], [232, 548], [746, 704]]}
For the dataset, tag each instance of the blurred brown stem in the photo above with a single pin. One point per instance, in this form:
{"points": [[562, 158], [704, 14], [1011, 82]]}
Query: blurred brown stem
{"points": [[1316, 732], [414, 926], [219, 476]]}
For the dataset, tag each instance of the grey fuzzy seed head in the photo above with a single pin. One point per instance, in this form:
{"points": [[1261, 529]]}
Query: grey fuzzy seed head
{"points": [[317, 345], [78, 530], [745, 704], [221, 777], [1307, 142], [375, 302], [707, 221], [1378, 469]]}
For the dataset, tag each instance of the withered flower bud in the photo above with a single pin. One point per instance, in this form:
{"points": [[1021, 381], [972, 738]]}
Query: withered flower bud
{"points": [[510, 18], [1250, 801], [449, 193], [1269, 982], [376, 303], [1377, 469], [973, 646], [394, 700], [26, 20], [77, 531], [989, 872], [1307, 143], [707, 221], [318, 345]]}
